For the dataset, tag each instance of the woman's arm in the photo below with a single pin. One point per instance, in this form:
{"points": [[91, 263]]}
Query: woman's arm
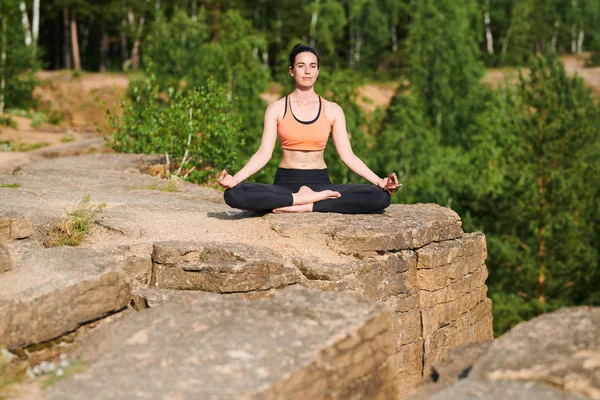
{"points": [[262, 155], [343, 147]]}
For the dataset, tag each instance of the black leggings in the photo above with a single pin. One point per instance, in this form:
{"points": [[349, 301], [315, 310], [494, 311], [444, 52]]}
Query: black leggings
{"points": [[355, 199]]}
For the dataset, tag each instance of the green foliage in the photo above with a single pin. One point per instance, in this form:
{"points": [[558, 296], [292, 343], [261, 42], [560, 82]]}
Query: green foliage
{"points": [[340, 86], [445, 65], [198, 128], [409, 146], [6, 120], [15, 185], [534, 188], [186, 52], [21, 62]]}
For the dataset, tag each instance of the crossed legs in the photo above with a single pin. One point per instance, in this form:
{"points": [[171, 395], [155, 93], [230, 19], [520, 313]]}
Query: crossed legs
{"points": [[353, 199]]}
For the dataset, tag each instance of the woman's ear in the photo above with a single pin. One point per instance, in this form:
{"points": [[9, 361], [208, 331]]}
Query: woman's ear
{"points": [[291, 71]]}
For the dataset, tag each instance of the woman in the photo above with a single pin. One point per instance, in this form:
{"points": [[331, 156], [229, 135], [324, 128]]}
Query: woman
{"points": [[303, 120]]}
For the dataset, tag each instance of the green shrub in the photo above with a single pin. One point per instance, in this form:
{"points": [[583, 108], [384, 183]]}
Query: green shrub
{"points": [[6, 120], [197, 129]]}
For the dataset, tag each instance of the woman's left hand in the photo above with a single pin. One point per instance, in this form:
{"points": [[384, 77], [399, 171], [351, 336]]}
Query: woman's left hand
{"points": [[390, 183]]}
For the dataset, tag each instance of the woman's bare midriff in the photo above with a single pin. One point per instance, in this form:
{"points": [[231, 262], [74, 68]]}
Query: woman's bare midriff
{"points": [[303, 159]]}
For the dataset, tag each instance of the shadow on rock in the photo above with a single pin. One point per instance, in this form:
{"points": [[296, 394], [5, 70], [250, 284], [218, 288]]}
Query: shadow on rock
{"points": [[233, 215]]}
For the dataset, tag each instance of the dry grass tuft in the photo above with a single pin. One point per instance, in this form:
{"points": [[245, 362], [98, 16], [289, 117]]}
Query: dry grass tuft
{"points": [[76, 224]]}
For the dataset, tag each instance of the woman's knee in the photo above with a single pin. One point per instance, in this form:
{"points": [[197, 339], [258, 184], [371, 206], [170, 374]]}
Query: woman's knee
{"points": [[382, 199], [233, 197]]}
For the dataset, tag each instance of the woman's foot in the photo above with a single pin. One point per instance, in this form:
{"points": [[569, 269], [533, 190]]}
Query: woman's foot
{"points": [[306, 195], [294, 209]]}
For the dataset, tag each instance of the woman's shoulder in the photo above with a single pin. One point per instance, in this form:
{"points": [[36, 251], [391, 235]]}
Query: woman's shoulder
{"points": [[331, 108], [276, 107]]}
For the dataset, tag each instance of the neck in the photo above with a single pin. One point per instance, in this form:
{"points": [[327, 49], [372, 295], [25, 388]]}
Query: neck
{"points": [[304, 96]]}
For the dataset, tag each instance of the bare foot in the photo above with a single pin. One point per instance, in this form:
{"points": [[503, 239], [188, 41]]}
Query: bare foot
{"points": [[306, 195], [294, 209]]}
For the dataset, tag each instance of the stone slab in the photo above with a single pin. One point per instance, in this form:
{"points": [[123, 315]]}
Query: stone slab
{"points": [[440, 254], [444, 314], [473, 326], [15, 227], [400, 227], [50, 292], [467, 284], [299, 344], [219, 267], [470, 389], [442, 264], [561, 348]]}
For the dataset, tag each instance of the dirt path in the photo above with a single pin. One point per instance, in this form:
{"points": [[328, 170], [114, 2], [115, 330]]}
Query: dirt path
{"points": [[573, 65]]}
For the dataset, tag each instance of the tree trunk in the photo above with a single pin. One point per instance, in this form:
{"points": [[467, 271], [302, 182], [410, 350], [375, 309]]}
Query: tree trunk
{"points": [[217, 25], [488, 33], [135, 52], [103, 47], [85, 35], [358, 46], [541, 289], [542, 253], [3, 64], [580, 42], [504, 50], [573, 39], [25, 22], [124, 44], [394, 38], [194, 11], [75, 43], [313, 23], [555, 35], [35, 28], [66, 44]]}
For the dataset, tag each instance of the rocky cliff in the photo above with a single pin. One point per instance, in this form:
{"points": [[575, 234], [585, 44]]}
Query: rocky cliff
{"points": [[420, 278]]}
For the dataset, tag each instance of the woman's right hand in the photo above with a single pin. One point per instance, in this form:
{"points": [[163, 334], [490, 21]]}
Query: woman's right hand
{"points": [[226, 181]]}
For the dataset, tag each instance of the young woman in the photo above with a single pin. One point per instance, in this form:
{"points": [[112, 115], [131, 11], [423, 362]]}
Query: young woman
{"points": [[303, 121]]}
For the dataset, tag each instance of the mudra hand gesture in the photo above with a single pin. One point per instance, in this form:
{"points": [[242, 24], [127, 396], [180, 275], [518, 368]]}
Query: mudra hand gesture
{"points": [[226, 181], [390, 184]]}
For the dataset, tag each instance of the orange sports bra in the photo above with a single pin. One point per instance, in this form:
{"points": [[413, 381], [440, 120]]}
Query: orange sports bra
{"points": [[295, 134]]}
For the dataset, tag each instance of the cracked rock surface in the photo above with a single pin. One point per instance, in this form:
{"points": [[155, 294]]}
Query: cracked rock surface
{"points": [[414, 260], [208, 346]]}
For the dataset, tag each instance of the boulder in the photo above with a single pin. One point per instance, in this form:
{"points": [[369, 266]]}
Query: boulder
{"points": [[51, 292], [300, 344], [470, 389], [561, 349], [15, 227]]}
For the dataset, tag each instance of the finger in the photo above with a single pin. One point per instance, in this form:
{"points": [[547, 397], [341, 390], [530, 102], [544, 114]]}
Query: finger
{"points": [[394, 178], [223, 173]]}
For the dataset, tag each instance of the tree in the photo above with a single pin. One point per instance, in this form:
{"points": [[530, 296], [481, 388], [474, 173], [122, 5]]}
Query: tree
{"points": [[534, 188], [18, 62], [445, 66]]}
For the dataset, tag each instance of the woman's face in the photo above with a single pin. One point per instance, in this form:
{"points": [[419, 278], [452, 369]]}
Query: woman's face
{"points": [[305, 70]]}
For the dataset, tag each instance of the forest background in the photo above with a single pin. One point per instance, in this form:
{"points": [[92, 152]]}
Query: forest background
{"points": [[519, 161]]}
